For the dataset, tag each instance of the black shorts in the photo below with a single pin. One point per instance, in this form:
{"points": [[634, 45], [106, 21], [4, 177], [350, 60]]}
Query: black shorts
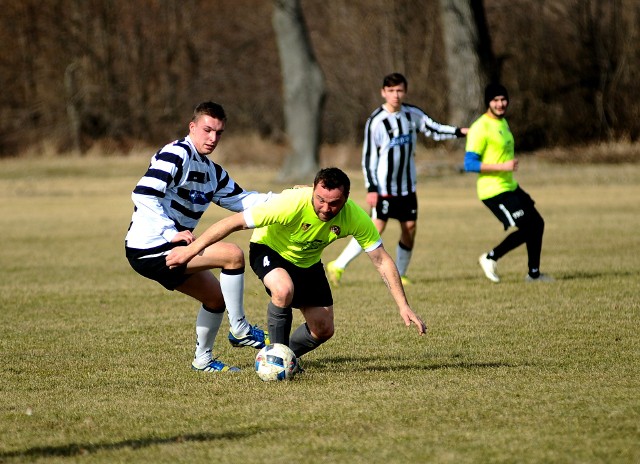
{"points": [[513, 209], [403, 208], [311, 287], [152, 264]]}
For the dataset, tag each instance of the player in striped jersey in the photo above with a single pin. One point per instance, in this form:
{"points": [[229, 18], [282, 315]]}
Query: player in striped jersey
{"points": [[388, 162], [169, 200], [289, 234]]}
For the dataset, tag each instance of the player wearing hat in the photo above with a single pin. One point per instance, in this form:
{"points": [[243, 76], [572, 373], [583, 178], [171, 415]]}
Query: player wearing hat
{"points": [[490, 153]]}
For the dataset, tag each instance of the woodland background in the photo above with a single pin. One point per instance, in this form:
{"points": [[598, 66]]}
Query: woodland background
{"points": [[128, 73]]}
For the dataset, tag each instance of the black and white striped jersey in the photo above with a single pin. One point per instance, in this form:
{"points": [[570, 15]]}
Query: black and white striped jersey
{"points": [[388, 153], [176, 190]]}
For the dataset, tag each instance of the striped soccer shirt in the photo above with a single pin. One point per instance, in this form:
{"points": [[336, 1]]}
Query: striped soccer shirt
{"points": [[175, 191], [388, 152]]}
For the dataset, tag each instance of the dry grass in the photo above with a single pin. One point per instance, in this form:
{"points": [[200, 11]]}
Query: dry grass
{"points": [[96, 359], [604, 153]]}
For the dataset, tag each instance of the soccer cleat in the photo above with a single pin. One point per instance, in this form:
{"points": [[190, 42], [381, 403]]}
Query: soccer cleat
{"points": [[214, 366], [256, 338], [490, 268], [298, 369], [406, 281], [540, 278], [334, 273]]}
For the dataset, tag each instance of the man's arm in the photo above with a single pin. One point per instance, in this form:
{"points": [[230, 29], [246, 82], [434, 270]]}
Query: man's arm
{"points": [[438, 131], [473, 163], [387, 269], [216, 232], [370, 159]]}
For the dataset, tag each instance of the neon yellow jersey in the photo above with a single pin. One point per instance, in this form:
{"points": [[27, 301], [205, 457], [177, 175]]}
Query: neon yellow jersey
{"points": [[288, 224], [493, 141]]}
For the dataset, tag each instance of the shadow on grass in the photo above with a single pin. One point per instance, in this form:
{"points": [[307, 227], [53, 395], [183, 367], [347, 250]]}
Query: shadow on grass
{"points": [[78, 449], [358, 284], [373, 365], [585, 275]]}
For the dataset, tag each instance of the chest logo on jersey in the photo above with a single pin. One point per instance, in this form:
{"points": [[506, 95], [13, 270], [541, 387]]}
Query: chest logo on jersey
{"points": [[400, 140], [335, 230], [312, 245], [195, 176], [305, 227], [198, 198]]}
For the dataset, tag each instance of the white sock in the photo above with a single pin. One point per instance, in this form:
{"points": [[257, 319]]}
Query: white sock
{"points": [[350, 252], [207, 326], [232, 286], [403, 257]]}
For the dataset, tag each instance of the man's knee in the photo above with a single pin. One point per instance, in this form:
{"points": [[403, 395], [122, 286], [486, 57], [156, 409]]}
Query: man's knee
{"points": [[213, 309], [234, 257], [533, 223], [214, 302], [281, 293], [322, 330]]}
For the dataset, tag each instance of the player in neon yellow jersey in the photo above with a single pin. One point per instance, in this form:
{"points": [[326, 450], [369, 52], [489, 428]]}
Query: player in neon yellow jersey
{"points": [[291, 230], [490, 152]]}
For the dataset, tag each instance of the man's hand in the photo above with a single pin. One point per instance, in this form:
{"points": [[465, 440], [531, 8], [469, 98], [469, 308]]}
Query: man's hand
{"points": [[184, 236], [409, 316], [372, 199], [178, 257], [389, 273]]}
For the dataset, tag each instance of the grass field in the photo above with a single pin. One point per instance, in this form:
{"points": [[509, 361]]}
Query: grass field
{"points": [[95, 359]]}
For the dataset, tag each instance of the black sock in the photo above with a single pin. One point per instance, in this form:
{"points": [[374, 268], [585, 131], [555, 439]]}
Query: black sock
{"points": [[279, 322], [302, 341]]}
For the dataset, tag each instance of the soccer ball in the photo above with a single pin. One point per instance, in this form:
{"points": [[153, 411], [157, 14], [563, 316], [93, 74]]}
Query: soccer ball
{"points": [[276, 362]]}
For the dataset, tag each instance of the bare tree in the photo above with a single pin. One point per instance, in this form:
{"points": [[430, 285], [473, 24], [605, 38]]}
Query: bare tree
{"points": [[463, 45], [304, 91], [99, 75]]}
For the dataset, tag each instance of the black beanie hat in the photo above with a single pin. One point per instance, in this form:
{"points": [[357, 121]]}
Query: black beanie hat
{"points": [[494, 90]]}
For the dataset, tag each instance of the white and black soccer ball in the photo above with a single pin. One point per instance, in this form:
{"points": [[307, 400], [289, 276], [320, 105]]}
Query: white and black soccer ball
{"points": [[276, 362]]}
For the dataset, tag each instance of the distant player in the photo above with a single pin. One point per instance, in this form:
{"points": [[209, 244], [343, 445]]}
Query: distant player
{"points": [[388, 162], [490, 152], [179, 185], [291, 230]]}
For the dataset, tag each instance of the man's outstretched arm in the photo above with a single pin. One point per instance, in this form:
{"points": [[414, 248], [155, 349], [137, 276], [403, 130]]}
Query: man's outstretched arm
{"points": [[216, 232], [389, 272]]}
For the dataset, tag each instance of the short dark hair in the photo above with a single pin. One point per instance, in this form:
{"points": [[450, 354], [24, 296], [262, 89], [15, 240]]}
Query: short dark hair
{"points": [[333, 178], [393, 79], [209, 108]]}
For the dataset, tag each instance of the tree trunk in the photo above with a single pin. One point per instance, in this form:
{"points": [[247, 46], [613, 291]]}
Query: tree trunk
{"points": [[304, 92], [465, 69], [73, 106]]}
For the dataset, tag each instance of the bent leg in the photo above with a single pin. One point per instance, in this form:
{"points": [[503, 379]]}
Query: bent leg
{"points": [[350, 252], [353, 248], [207, 327], [230, 258], [405, 246], [279, 320], [511, 241], [318, 328], [279, 313], [533, 235], [408, 230], [204, 287]]}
